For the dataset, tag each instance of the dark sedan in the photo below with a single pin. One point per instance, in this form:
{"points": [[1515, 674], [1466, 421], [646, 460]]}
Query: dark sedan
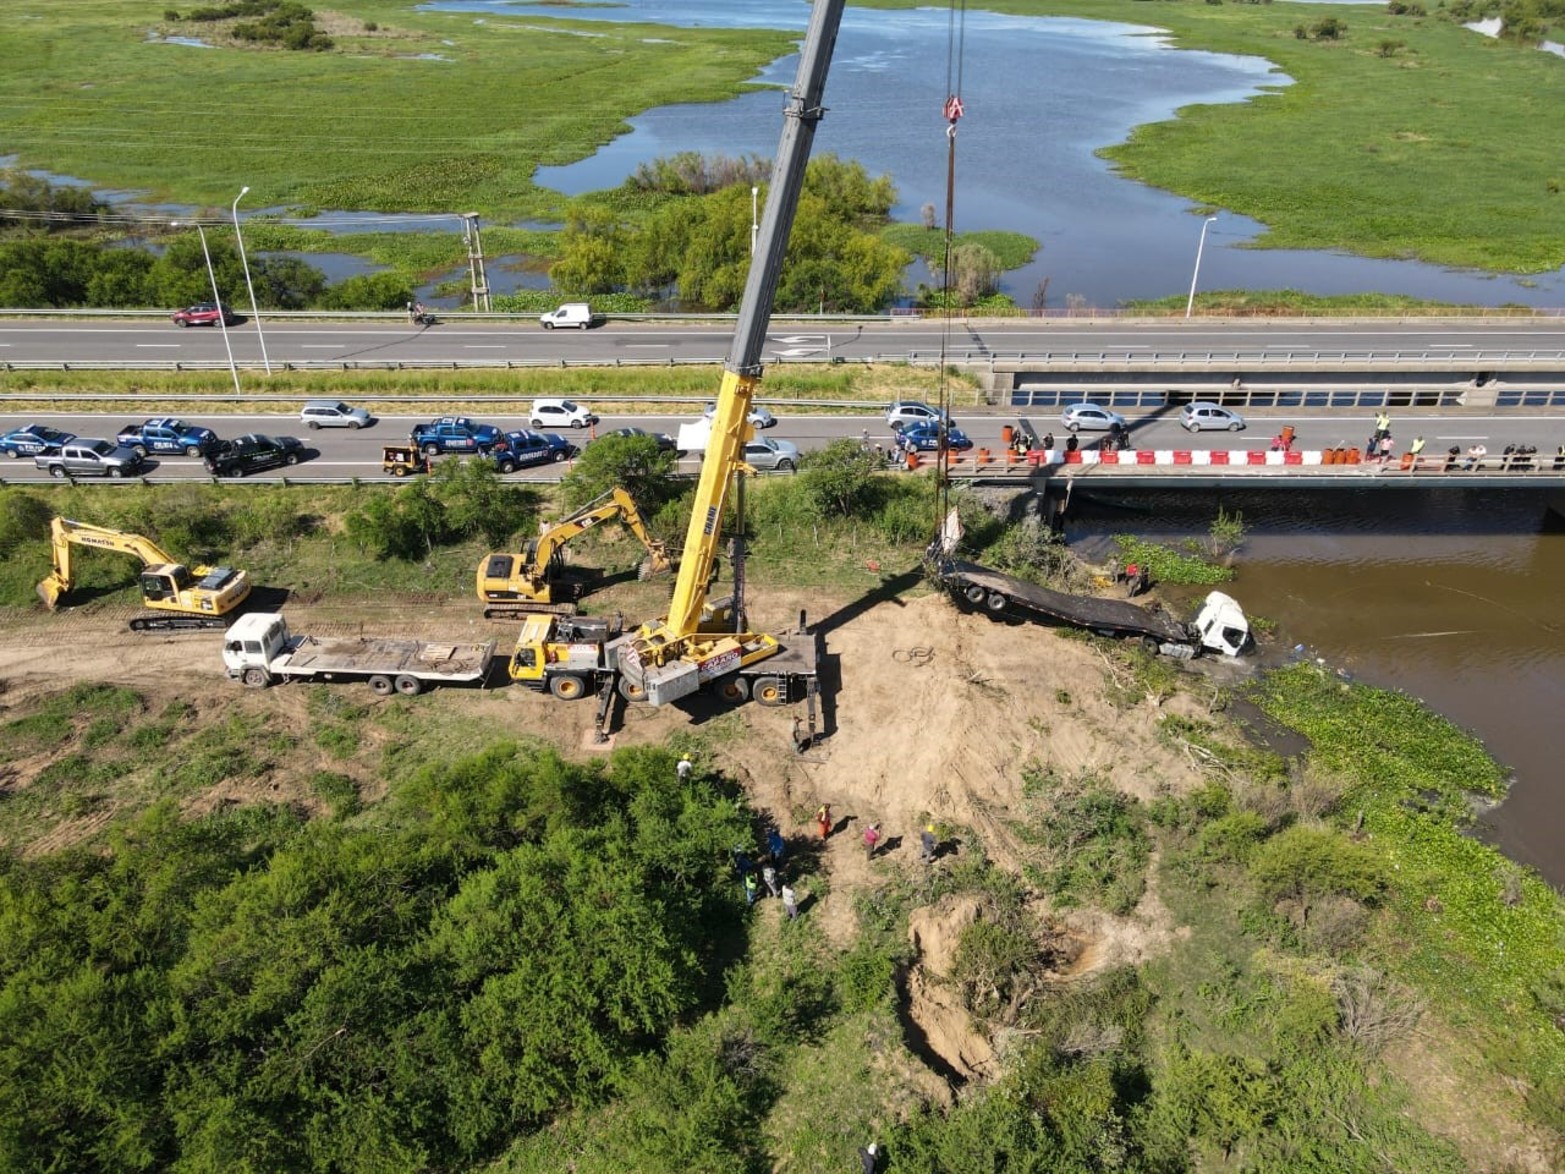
{"points": [[926, 438], [665, 441], [253, 453]]}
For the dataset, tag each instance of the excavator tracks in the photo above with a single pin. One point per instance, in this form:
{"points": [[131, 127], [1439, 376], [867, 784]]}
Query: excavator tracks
{"points": [[157, 622], [521, 609]]}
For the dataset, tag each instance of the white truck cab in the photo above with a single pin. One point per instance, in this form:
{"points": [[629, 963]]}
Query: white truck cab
{"points": [[1221, 625], [577, 314], [254, 641]]}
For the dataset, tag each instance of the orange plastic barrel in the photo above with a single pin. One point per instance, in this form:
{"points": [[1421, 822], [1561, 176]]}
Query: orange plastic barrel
{"points": [[1007, 435], [1407, 460], [912, 459], [1353, 455]]}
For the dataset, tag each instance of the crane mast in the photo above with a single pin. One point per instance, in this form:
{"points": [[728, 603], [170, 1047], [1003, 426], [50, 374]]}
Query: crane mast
{"points": [[680, 637]]}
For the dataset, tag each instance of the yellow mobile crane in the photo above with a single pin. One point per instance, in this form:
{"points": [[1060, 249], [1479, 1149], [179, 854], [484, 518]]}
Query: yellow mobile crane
{"points": [[516, 585], [701, 643], [181, 597]]}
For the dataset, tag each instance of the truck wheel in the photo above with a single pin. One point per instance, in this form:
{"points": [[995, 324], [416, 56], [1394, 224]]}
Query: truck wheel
{"points": [[291, 459], [770, 691], [408, 686], [191, 450], [56, 470], [996, 602], [560, 454], [631, 691], [381, 685], [140, 450], [431, 450], [567, 686], [733, 690], [975, 594], [506, 466], [399, 470], [548, 325], [116, 472], [255, 678], [1149, 645]]}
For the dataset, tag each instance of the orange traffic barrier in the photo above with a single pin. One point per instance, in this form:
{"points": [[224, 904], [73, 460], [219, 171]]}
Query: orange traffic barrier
{"points": [[1219, 456], [912, 458], [1007, 435], [983, 456], [1407, 460], [1353, 455]]}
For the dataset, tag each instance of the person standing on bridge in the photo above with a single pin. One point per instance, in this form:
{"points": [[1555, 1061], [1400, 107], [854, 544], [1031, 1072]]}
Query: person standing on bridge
{"points": [[1416, 450], [1382, 424]]}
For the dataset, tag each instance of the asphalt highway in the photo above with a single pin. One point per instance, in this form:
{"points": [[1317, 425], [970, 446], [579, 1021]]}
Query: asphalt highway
{"points": [[341, 454], [292, 341]]}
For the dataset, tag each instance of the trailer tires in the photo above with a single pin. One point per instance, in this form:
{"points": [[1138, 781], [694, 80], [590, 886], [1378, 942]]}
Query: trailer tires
{"points": [[567, 686], [734, 690], [256, 678], [408, 686], [631, 691], [996, 602], [975, 594], [770, 691], [381, 685], [1149, 644]]}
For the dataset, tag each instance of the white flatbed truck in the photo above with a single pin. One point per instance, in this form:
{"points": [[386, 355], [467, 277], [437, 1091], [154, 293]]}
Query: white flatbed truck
{"points": [[259, 650]]}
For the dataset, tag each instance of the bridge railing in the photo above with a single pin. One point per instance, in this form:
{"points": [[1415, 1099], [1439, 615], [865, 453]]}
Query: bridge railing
{"points": [[1162, 463]]}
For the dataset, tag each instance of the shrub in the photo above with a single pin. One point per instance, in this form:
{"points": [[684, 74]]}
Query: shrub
{"points": [[1305, 863], [839, 479]]}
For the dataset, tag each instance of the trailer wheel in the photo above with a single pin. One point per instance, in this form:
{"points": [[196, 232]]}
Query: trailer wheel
{"points": [[770, 691], [567, 686], [409, 686], [975, 594], [255, 678], [996, 602], [733, 690], [381, 685], [1149, 645], [631, 691]]}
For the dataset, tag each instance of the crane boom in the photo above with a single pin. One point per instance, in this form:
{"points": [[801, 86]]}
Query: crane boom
{"points": [[680, 637]]}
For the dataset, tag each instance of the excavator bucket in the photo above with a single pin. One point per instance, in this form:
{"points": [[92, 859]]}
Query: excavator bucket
{"points": [[50, 591], [657, 562]]}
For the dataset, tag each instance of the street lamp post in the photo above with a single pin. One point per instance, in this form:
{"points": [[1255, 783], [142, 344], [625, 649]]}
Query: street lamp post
{"points": [[1196, 273], [255, 311], [217, 299], [755, 224]]}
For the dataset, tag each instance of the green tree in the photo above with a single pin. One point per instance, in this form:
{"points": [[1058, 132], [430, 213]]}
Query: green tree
{"points": [[592, 248], [479, 503], [287, 283], [1304, 863], [839, 479], [633, 463], [368, 291]]}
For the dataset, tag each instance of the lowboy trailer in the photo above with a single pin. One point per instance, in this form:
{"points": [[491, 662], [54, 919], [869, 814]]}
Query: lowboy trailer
{"points": [[259, 650]]}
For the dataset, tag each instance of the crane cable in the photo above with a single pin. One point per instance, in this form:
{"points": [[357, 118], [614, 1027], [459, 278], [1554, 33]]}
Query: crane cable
{"points": [[956, 39]]}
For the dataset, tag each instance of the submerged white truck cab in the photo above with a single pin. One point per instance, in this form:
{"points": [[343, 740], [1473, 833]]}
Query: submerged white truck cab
{"points": [[259, 650]]}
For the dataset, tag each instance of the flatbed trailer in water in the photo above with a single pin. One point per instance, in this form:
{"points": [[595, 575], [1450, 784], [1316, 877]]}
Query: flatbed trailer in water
{"points": [[1219, 625]]}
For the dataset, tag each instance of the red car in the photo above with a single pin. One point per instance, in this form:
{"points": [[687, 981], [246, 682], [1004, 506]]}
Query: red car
{"points": [[204, 314]]}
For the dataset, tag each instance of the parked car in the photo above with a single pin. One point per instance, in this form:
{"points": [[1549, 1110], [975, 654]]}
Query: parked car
{"points": [[333, 413], [169, 437], [1201, 417], [535, 448], [252, 453], [204, 314], [926, 438], [781, 456], [903, 412], [81, 457], [665, 441], [758, 417], [31, 439], [1091, 417], [577, 314], [560, 413], [455, 434]]}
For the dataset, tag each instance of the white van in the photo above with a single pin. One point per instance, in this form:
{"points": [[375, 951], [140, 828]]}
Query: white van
{"points": [[577, 314]]}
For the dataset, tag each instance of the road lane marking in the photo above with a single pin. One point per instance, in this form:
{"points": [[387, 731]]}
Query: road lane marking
{"points": [[319, 346], [172, 346], [648, 346], [483, 346]]}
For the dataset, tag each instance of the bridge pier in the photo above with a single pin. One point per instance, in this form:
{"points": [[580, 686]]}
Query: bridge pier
{"points": [[1554, 509]]}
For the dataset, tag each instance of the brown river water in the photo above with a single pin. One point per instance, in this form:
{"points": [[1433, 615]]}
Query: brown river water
{"points": [[1452, 596]]}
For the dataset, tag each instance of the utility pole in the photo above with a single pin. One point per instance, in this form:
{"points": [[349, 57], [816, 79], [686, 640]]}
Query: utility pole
{"points": [[475, 261]]}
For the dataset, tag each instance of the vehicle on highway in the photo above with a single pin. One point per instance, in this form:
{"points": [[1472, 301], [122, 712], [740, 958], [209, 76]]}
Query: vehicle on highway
{"points": [[460, 434], [333, 413], [926, 438], [665, 441], [1092, 417], [83, 457], [904, 412], [204, 314], [32, 439], [252, 453], [779, 456], [168, 437], [758, 417], [536, 448], [1203, 417], [577, 314], [559, 413]]}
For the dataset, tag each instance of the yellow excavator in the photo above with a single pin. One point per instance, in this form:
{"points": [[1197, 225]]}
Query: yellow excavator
{"points": [[181, 597], [512, 586]]}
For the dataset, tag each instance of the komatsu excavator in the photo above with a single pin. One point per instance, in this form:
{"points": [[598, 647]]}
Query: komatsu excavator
{"points": [[181, 597], [702, 643], [517, 585]]}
